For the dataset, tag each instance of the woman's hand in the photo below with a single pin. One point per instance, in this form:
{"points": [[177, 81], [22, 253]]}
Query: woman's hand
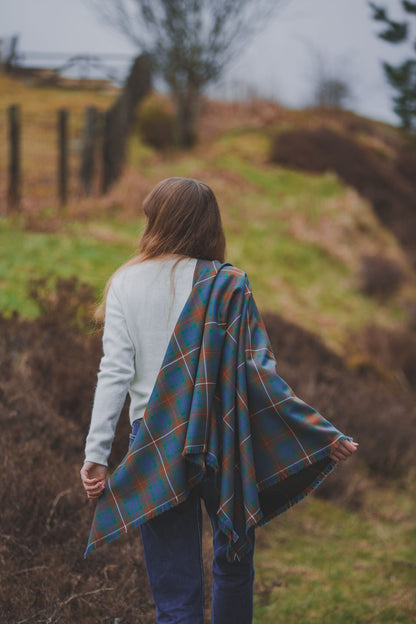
{"points": [[93, 478], [344, 450]]}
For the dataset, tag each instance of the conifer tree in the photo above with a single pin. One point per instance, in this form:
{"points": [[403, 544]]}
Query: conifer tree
{"points": [[403, 76]]}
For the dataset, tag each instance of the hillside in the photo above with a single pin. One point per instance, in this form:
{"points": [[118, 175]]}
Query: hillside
{"points": [[343, 330], [301, 237]]}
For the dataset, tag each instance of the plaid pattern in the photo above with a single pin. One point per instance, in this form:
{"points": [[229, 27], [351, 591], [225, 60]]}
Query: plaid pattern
{"points": [[218, 401]]}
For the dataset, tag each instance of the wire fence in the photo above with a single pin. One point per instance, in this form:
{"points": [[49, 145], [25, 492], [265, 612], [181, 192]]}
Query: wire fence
{"points": [[48, 159]]}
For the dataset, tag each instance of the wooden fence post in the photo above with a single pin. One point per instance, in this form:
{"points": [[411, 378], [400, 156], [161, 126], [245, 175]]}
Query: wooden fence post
{"points": [[87, 168], [63, 156], [107, 161], [14, 189]]}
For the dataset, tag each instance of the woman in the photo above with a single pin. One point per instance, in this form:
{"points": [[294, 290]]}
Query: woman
{"points": [[210, 417]]}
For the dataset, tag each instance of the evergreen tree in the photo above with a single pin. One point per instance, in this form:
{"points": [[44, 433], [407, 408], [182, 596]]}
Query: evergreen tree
{"points": [[401, 77]]}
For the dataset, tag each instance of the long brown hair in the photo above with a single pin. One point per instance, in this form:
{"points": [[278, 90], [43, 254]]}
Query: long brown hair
{"points": [[183, 218]]}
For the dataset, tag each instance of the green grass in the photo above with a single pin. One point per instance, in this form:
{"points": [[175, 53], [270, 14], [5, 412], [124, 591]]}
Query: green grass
{"points": [[26, 255], [303, 279], [321, 564], [247, 152]]}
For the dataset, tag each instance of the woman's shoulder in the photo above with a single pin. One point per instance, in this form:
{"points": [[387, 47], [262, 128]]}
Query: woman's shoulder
{"points": [[229, 269], [229, 274], [226, 269], [147, 271]]}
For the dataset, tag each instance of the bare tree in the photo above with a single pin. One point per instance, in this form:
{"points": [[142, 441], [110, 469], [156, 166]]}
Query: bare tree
{"points": [[330, 80], [119, 118], [191, 41], [331, 92]]}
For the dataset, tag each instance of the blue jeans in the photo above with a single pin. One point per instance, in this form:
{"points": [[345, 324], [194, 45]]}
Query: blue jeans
{"points": [[172, 546]]}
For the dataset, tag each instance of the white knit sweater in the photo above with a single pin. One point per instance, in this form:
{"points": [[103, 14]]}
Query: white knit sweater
{"points": [[141, 312]]}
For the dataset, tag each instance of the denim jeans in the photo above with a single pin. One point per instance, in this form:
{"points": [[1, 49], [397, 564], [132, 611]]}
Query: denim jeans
{"points": [[172, 546]]}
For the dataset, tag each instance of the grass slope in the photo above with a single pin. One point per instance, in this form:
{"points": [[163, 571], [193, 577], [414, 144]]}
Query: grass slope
{"points": [[321, 564], [27, 255], [300, 238]]}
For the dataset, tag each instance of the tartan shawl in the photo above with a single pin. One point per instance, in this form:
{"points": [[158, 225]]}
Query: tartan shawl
{"points": [[218, 402]]}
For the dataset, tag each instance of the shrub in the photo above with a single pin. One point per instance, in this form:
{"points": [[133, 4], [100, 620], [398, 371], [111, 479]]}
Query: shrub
{"points": [[406, 163], [380, 276], [387, 187], [47, 375], [392, 350], [155, 122], [48, 370], [380, 416]]}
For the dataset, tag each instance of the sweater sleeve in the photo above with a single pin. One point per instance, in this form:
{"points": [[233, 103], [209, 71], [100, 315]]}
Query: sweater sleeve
{"points": [[115, 373]]}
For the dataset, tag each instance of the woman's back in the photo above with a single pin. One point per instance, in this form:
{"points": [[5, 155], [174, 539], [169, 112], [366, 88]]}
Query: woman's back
{"points": [[143, 305], [151, 308]]}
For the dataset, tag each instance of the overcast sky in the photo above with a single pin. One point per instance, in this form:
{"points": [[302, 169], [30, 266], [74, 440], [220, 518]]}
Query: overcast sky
{"points": [[280, 62]]}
